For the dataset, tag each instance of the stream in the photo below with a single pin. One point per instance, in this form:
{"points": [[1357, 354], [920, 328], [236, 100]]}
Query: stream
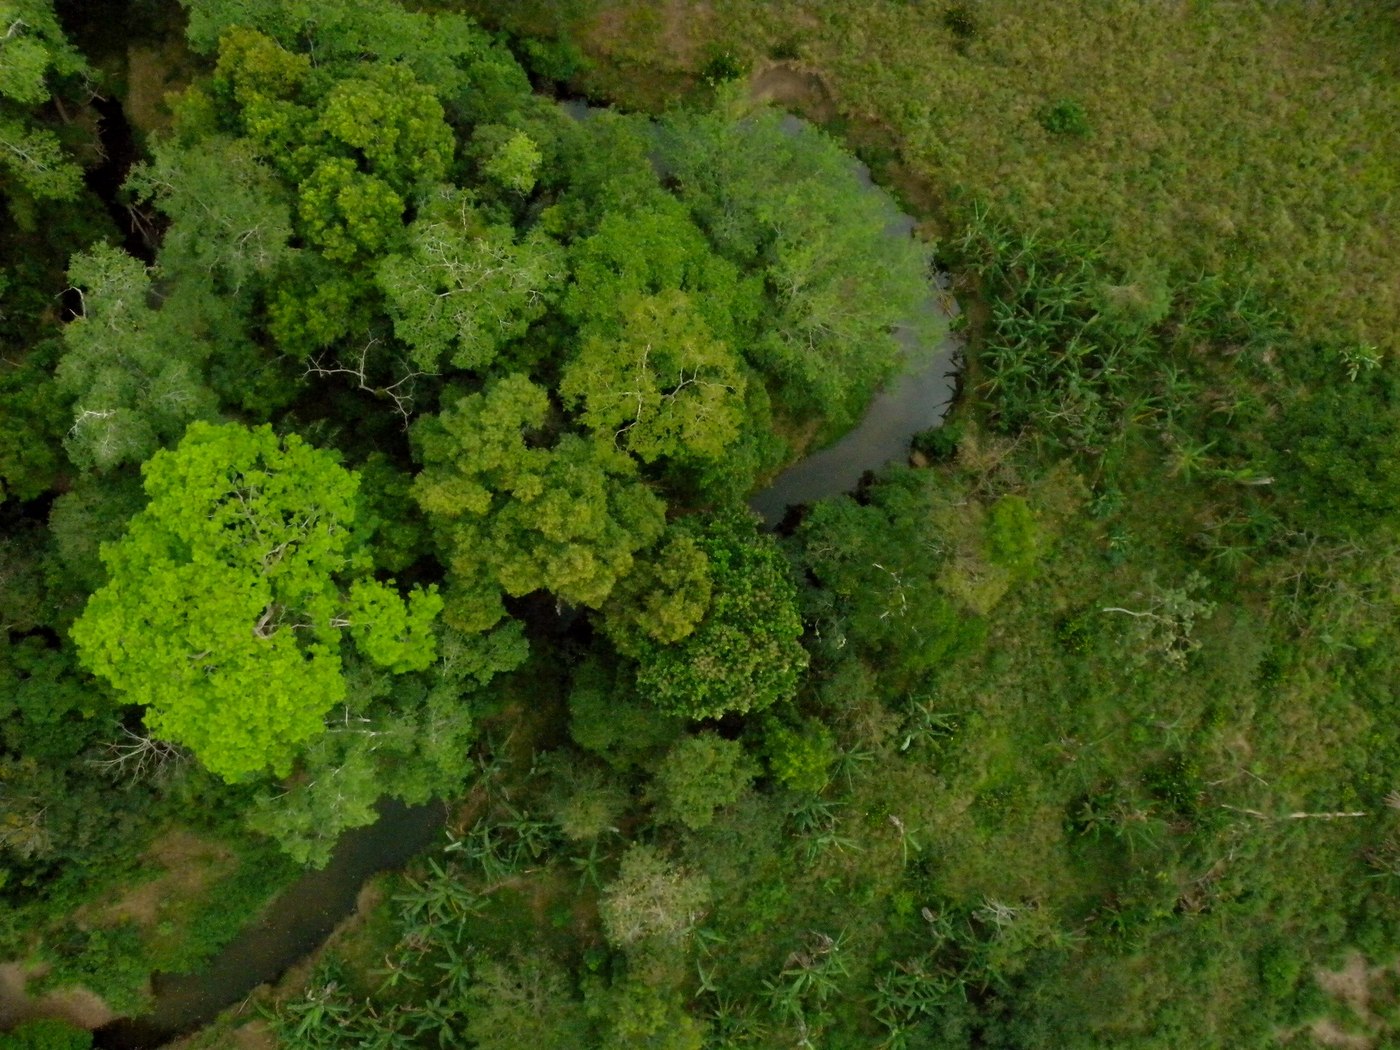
{"points": [[915, 400], [300, 919], [293, 926]]}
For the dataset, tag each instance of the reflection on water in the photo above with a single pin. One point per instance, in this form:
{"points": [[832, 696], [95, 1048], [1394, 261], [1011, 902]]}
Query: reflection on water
{"points": [[913, 401]]}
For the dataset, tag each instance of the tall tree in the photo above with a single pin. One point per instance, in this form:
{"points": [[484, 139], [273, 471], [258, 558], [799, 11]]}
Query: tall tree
{"points": [[476, 78], [231, 592], [662, 387], [134, 379], [465, 287], [514, 516], [783, 201], [34, 55], [230, 215]]}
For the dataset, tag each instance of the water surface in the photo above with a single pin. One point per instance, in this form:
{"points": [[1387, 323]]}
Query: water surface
{"points": [[293, 925]]}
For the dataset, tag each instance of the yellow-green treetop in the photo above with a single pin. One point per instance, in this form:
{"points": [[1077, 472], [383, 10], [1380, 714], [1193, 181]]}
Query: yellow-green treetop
{"points": [[229, 597]]}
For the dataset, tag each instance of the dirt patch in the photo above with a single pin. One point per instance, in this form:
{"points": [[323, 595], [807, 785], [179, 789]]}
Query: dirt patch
{"points": [[251, 1035], [77, 1006], [1351, 984], [794, 87], [1365, 996], [191, 863], [255, 1035], [1328, 1033], [684, 24]]}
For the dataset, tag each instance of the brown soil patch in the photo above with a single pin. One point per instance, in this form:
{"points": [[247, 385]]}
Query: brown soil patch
{"points": [[1368, 994], [1327, 1033], [191, 863], [1351, 984], [684, 24], [252, 1035], [794, 87], [77, 1006]]}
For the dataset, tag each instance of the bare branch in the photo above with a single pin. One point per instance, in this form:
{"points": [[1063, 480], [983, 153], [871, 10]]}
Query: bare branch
{"points": [[139, 757], [399, 392]]}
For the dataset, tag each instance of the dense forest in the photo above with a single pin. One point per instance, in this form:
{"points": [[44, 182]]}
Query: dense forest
{"points": [[384, 389]]}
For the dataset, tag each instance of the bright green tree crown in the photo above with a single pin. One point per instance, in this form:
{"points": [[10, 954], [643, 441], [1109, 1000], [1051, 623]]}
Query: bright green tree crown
{"points": [[226, 602]]}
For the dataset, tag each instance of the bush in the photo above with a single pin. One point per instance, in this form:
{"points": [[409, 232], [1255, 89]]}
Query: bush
{"points": [[112, 962], [722, 67], [651, 900], [584, 800], [46, 1034], [940, 443], [1013, 537], [746, 653], [801, 758], [607, 717], [556, 59], [1065, 117], [1337, 453], [961, 22]]}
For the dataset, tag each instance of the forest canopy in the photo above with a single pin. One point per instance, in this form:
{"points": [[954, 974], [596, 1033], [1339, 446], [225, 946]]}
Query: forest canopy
{"points": [[407, 318]]}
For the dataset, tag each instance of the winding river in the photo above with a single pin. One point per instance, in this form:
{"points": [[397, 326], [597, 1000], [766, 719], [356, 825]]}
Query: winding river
{"points": [[307, 911], [296, 922], [914, 400]]}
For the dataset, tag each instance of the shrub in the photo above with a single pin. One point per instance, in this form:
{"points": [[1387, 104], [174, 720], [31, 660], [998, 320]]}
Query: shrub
{"points": [[939, 443], [1065, 117], [801, 758], [651, 900], [722, 67], [45, 1034], [961, 21], [1013, 537]]}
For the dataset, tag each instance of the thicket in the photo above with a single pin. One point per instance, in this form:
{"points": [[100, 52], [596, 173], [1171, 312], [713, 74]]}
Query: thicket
{"points": [[403, 320]]}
